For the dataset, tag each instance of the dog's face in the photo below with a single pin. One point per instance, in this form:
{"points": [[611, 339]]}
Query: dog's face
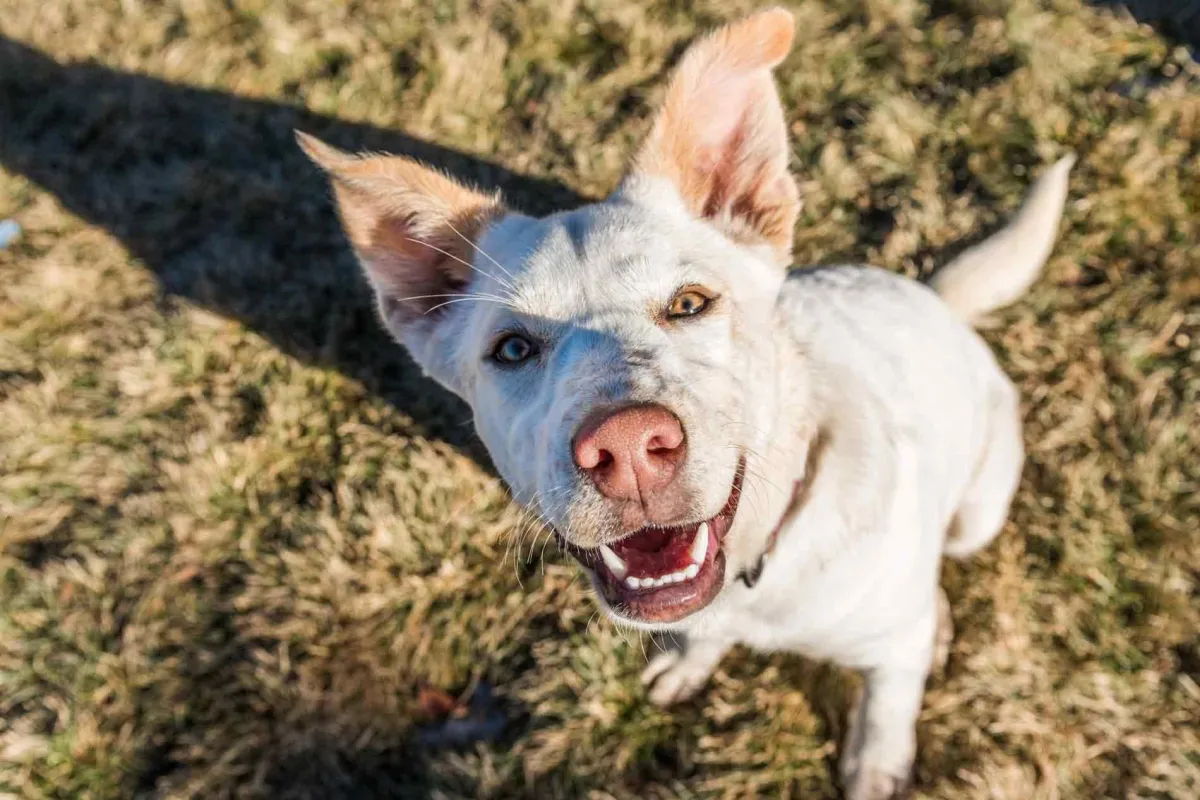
{"points": [[619, 358]]}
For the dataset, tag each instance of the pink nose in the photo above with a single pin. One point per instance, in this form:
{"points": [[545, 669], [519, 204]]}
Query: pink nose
{"points": [[631, 453]]}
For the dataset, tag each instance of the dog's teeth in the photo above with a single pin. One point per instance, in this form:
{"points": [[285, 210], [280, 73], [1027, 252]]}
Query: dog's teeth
{"points": [[634, 582], [613, 561], [700, 544]]}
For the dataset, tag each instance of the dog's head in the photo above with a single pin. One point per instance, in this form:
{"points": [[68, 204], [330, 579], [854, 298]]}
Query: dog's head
{"points": [[619, 358]]}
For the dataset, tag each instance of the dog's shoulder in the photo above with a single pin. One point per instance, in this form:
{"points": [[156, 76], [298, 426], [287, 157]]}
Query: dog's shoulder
{"points": [[857, 291], [849, 308], [879, 339]]}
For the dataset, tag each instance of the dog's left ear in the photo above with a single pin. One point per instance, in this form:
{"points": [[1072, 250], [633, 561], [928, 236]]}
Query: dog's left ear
{"points": [[720, 139]]}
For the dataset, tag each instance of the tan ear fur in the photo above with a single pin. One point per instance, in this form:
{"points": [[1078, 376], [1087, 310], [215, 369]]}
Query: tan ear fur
{"points": [[412, 227], [720, 137]]}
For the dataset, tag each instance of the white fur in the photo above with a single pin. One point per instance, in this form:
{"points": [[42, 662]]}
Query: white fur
{"points": [[912, 428], [921, 427]]}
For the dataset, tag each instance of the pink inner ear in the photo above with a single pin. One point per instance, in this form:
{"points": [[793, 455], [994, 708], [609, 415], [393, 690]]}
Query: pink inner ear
{"points": [[720, 138], [719, 110], [732, 150], [413, 230], [724, 160], [408, 272]]}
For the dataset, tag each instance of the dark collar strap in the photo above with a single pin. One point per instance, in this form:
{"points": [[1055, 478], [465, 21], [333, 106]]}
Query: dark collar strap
{"points": [[751, 576], [799, 498]]}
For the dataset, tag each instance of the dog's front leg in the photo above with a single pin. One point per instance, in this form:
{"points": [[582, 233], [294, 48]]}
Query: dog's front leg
{"points": [[682, 666], [881, 743]]}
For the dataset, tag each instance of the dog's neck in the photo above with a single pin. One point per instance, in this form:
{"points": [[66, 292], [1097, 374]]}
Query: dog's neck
{"points": [[790, 427], [801, 490]]}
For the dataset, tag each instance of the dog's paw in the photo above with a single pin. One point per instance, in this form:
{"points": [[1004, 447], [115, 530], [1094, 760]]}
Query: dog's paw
{"points": [[877, 785], [672, 678]]}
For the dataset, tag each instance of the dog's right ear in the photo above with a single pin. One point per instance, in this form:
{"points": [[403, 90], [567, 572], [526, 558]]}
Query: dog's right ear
{"points": [[413, 229]]}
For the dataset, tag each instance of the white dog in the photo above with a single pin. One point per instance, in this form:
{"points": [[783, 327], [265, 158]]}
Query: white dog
{"points": [[733, 452]]}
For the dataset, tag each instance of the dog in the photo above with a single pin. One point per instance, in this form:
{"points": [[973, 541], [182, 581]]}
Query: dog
{"points": [[734, 452]]}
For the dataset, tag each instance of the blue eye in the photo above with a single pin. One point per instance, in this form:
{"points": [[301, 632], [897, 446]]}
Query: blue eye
{"points": [[513, 349]]}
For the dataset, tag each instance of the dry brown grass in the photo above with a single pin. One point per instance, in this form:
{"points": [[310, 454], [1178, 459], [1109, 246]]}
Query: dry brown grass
{"points": [[238, 533]]}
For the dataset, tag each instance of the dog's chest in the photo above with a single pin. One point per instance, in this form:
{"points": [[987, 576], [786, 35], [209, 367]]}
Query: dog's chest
{"points": [[830, 592]]}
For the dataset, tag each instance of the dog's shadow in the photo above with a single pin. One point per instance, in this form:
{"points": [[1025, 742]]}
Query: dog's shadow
{"points": [[210, 191]]}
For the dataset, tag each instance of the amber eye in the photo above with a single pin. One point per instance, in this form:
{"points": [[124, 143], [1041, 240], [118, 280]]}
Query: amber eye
{"points": [[513, 349], [688, 303]]}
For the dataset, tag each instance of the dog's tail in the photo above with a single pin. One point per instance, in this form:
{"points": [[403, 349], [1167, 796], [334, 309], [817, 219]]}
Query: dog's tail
{"points": [[999, 269]]}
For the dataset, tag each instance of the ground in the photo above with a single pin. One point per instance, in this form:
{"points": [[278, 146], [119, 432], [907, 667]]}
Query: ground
{"points": [[246, 550]]}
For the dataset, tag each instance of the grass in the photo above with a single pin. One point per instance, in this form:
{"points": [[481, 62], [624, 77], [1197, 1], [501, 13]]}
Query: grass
{"points": [[240, 535]]}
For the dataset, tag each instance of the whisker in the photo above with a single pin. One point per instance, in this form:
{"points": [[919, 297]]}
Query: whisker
{"points": [[751, 470], [461, 299], [459, 260], [542, 554], [457, 295], [480, 250]]}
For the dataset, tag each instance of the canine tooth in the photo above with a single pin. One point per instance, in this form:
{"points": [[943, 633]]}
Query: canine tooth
{"points": [[700, 544], [613, 561], [692, 571], [632, 583]]}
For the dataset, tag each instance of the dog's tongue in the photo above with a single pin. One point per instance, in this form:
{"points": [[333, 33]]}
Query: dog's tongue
{"points": [[656, 551]]}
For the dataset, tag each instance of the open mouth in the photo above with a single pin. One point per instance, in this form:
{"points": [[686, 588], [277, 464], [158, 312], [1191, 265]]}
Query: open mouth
{"points": [[664, 574]]}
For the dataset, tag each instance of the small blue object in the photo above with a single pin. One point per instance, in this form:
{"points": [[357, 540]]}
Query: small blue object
{"points": [[485, 721], [9, 231]]}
